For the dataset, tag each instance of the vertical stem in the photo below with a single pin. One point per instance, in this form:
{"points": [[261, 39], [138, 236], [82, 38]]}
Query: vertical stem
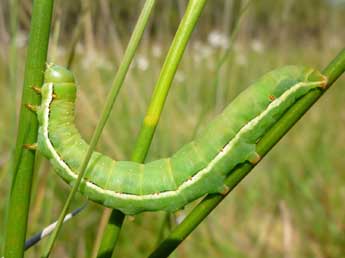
{"points": [[111, 234], [116, 86], [155, 108], [27, 130], [210, 202], [166, 77]]}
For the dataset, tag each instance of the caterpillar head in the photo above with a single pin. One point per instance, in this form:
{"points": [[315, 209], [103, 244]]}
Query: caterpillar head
{"points": [[62, 79]]}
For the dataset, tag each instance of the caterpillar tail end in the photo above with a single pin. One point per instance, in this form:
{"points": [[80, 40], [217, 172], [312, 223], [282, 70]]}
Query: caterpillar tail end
{"points": [[32, 107], [29, 146]]}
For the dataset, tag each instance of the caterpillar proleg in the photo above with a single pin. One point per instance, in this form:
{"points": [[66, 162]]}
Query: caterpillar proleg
{"points": [[198, 168]]}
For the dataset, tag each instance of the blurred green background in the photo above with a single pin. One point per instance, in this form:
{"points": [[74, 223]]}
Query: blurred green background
{"points": [[291, 205]]}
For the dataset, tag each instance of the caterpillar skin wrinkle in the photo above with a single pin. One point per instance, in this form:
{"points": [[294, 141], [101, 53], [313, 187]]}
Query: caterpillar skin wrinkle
{"points": [[198, 168]]}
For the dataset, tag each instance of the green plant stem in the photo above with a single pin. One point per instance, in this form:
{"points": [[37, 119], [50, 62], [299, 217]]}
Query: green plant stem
{"points": [[27, 130], [116, 86], [155, 108], [199, 213], [111, 234], [166, 77]]}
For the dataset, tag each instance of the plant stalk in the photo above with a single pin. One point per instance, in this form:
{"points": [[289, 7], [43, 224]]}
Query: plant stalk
{"points": [[166, 77], [22, 173]]}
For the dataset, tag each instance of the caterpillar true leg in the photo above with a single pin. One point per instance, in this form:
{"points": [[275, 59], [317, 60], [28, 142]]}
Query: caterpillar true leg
{"points": [[32, 107], [38, 90], [31, 146]]}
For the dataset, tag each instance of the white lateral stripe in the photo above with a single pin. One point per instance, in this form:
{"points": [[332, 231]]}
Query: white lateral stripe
{"points": [[187, 183]]}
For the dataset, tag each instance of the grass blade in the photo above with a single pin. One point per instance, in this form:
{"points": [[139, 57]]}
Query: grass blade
{"points": [[118, 81]]}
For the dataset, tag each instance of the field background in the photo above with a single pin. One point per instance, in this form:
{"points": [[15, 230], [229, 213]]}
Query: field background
{"points": [[291, 205]]}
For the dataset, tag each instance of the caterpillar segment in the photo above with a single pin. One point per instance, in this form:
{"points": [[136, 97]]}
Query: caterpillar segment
{"points": [[198, 168]]}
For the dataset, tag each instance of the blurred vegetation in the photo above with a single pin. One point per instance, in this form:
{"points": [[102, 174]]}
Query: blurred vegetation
{"points": [[291, 206]]}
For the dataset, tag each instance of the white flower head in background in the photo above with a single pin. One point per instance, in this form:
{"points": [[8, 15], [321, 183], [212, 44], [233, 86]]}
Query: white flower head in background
{"points": [[156, 50], [180, 77], [201, 51], [257, 46], [218, 40], [60, 51], [142, 63], [21, 39], [96, 59], [241, 59]]}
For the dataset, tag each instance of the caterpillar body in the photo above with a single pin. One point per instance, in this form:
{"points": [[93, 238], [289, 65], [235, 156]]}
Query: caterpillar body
{"points": [[198, 168]]}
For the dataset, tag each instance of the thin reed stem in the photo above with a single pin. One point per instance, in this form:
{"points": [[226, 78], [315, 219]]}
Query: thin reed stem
{"points": [[116, 86], [24, 159], [155, 108], [166, 77], [200, 212]]}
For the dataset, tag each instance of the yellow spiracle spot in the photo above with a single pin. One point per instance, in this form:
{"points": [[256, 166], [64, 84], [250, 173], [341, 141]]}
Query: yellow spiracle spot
{"points": [[151, 119]]}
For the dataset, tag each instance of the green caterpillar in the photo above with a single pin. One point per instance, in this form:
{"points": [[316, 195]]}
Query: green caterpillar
{"points": [[198, 168]]}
